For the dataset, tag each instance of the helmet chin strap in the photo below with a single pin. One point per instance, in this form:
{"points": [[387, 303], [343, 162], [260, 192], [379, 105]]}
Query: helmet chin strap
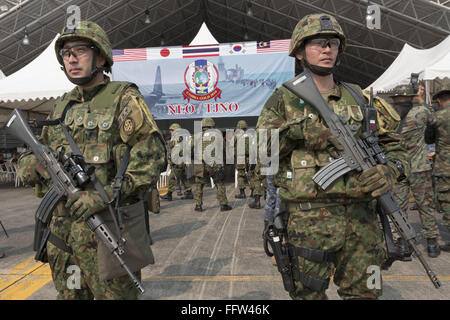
{"points": [[320, 71], [86, 80]]}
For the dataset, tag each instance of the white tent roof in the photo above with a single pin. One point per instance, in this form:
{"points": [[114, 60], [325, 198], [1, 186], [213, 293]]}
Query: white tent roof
{"points": [[429, 63], [31, 87], [203, 36]]}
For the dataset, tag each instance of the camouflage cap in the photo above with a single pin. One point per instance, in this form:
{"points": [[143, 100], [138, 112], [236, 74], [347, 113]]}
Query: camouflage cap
{"points": [[404, 90], [314, 25], [444, 89], [90, 31], [174, 126], [208, 122], [241, 124]]}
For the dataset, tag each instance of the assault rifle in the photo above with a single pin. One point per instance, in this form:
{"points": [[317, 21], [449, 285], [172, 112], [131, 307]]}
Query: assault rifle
{"points": [[359, 154], [68, 177]]}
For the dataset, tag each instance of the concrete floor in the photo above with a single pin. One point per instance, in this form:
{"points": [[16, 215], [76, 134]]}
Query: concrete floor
{"points": [[199, 256]]}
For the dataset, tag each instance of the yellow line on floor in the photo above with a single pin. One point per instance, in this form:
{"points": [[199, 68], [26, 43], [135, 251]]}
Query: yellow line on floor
{"points": [[27, 277]]}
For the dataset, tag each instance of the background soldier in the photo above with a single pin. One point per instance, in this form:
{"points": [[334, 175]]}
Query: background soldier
{"points": [[203, 172], [242, 168], [104, 118], [438, 131], [178, 171], [412, 126], [336, 226]]}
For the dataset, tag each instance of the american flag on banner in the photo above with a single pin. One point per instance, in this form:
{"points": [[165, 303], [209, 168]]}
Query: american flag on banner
{"points": [[129, 54], [229, 49], [273, 46], [164, 53], [211, 50]]}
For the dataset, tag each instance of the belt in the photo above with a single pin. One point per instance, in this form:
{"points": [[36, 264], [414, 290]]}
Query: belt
{"points": [[305, 206]]}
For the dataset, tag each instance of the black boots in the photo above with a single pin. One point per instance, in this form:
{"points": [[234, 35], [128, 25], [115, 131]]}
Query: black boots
{"points": [[225, 207], [187, 195], [404, 250], [433, 248], [240, 195], [255, 204], [445, 247], [168, 196], [198, 207]]}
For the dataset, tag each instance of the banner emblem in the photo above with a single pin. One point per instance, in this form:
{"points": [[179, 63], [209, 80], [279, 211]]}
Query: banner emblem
{"points": [[201, 78]]}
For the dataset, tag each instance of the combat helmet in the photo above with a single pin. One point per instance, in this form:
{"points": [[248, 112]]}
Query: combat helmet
{"points": [[444, 89], [93, 33], [403, 90], [174, 126], [241, 124], [314, 25], [208, 122]]}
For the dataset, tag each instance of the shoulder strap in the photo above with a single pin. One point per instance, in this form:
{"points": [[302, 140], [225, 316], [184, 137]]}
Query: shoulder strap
{"points": [[355, 94]]}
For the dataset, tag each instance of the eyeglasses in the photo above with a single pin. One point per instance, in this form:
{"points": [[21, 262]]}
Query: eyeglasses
{"points": [[333, 43], [78, 51]]}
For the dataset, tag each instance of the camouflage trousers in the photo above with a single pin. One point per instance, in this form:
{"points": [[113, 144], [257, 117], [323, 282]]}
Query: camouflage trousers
{"points": [[255, 180], [200, 181], [241, 178], [444, 199], [420, 185], [75, 275], [351, 232], [178, 171]]}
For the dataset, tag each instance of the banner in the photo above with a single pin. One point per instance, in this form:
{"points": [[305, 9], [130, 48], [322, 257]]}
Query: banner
{"points": [[223, 80]]}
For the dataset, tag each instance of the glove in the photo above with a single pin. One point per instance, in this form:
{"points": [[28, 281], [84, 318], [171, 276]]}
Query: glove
{"points": [[84, 204], [30, 170], [317, 136], [377, 180]]}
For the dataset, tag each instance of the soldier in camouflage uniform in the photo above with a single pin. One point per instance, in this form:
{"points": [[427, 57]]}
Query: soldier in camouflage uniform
{"points": [[241, 168], [438, 131], [104, 118], [412, 126], [204, 171], [335, 226], [178, 171]]}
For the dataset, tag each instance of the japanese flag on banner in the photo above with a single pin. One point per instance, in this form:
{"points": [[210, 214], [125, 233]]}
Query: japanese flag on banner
{"points": [[229, 49], [164, 53]]}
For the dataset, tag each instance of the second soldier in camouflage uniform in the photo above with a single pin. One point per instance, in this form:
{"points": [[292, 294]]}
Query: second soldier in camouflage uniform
{"points": [[177, 170], [336, 226], [438, 132], [241, 168], [412, 126], [204, 171], [104, 118]]}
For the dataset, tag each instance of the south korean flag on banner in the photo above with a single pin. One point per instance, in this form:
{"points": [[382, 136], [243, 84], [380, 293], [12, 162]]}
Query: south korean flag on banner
{"points": [[231, 49]]}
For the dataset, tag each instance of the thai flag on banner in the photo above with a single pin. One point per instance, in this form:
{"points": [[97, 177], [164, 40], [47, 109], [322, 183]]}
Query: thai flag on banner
{"points": [[164, 53], [229, 49], [129, 54], [211, 50], [273, 46]]}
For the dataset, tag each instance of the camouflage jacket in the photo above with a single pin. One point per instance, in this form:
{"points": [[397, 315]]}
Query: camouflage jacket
{"points": [[412, 131], [441, 132], [297, 165], [103, 122]]}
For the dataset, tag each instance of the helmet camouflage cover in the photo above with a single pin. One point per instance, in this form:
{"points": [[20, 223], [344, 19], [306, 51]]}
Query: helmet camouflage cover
{"points": [[89, 31], [405, 90], [174, 126], [208, 122], [314, 25], [241, 124], [444, 89]]}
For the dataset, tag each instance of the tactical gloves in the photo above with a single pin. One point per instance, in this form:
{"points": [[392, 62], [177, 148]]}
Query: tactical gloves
{"points": [[84, 204], [31, 171], [377, 180]]}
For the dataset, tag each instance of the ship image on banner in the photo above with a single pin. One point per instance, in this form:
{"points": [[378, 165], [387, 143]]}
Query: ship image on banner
{"points": [[201, 78]]}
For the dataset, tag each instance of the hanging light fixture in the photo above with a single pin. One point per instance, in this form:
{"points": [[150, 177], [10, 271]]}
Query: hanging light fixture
{"points": [[162, 40], [26, 40], [249, 9], [147, 16], [4, 8]]}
